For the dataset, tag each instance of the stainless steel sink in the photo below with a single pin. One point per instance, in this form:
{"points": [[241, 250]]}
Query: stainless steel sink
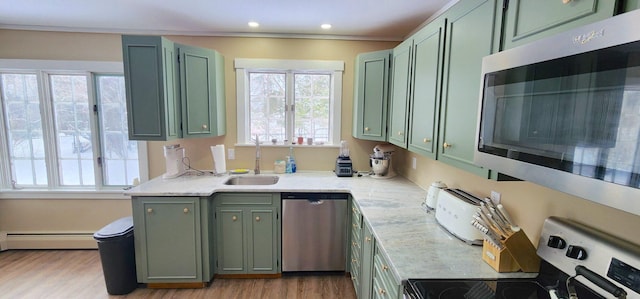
{"points": [[253, 180]]}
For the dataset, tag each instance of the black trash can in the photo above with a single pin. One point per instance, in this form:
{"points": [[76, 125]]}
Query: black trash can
{"points": [[117, 253]]}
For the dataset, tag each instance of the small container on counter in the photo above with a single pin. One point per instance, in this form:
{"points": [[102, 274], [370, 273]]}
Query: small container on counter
{"points": [[279, 166]]}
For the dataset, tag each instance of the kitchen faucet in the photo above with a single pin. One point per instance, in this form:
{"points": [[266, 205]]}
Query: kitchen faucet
{"points": [[256, 170]]}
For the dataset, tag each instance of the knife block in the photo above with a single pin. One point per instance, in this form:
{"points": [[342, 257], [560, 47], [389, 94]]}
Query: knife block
{"points": [[517, 254]]}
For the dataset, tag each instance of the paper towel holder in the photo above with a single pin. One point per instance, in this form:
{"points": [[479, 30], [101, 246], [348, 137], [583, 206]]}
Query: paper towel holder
{"points": [[219, 162]]}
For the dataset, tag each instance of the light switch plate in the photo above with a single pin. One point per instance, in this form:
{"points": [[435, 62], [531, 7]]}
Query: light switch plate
{"points": [[231, 154]]}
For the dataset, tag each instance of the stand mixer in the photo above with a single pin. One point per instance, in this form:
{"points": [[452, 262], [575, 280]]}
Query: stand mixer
{"points": [[380, 161]]}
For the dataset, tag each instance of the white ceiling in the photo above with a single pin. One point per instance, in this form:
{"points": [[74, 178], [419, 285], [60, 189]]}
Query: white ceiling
{"points": [[351, 19]]}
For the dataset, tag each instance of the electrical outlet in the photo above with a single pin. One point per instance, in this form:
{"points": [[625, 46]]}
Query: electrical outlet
{"points": [[414, 162], [495, 196], [231, 154]]}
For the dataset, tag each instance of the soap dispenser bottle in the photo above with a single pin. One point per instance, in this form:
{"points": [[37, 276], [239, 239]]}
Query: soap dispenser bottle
{"points": [[292, 160]]}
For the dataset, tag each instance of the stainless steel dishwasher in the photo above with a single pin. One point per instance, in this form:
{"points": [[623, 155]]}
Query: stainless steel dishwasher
{"points": [[314, 231]]}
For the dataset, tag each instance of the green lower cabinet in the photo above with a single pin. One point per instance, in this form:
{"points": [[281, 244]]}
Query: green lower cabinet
{"points": [[355, 265], [247, 233], [385, 284], [168, 239], [368, 245], [362, 245], [529, 20]]}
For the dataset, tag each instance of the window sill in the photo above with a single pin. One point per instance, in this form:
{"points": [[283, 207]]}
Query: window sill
{"points": [[288, 145], [62, 194]]}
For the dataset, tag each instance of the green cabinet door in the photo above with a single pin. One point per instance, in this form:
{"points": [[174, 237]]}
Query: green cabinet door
{"points": [[168, 239], [262, 249], [201, 92], [470, 37], [366, 276], [355, 265], [400, 87], [385, 284], [230, 239], [371, 96], [150, 72], [529, 20], [425, 95]]}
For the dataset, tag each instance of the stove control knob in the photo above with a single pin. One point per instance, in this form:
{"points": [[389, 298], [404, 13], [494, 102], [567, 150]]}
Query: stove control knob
{"points": [[556, 242], [576, 252]]}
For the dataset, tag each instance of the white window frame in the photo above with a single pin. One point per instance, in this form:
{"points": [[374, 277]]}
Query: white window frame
{"points": [[53, 190], [245, 65]]}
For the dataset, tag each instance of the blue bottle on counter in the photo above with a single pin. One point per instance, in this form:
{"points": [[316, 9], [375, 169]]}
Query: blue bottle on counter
{"points": [[292, 161]]}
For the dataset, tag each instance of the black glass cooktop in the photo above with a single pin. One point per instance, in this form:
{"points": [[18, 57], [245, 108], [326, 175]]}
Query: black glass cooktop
{"points": [[489, 289]]}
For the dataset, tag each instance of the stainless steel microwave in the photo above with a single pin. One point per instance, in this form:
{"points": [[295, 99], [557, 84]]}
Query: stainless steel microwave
{"points": [[564, 112]]}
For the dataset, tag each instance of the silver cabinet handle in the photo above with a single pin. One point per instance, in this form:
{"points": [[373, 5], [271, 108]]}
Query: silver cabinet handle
{"points": [[204, 127], [447, 145], [234, 218], [257, 218], [149, 210], [186, 210]]}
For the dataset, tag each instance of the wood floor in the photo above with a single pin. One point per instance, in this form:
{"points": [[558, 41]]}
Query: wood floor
{"points": [[78, 274]]}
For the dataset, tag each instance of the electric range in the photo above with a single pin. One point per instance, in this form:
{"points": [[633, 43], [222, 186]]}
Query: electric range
{"points": [[604, 262]]}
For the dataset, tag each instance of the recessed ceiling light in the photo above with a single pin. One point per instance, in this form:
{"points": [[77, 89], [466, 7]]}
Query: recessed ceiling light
{"points": [[325, 26], [254, 24]]}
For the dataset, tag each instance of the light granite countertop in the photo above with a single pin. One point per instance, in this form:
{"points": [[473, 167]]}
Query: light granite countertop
{"points": [[412, 241]]}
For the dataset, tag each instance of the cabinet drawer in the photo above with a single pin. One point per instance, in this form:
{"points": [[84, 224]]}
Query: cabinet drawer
{"points": [[356, 217], [244, 199], [383, 273]]}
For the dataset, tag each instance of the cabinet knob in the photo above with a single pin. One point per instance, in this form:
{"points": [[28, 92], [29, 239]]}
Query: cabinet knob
{"points": [[368, 239], [385, 268], [426, 140], [354, 260], [234, 218], [447, 145], [257, 218], [400, 133], [566, 1], [204, 127], [149, 210], [186, 210], [354, 243], [366, 129], [382, 292]]}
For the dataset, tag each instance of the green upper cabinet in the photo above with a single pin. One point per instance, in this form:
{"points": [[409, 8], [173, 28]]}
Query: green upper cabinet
{"points": [[173, 90], [425, 94], [529, 20], [371, 95], [201, 92], [470, 37], [400, 91], [153, 106]]}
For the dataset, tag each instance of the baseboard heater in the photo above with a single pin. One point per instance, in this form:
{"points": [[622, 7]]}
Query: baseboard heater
{"points": [[47, 240]]}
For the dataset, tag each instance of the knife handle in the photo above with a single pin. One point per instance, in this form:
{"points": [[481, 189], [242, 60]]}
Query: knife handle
{"points": [[507, 217]]}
